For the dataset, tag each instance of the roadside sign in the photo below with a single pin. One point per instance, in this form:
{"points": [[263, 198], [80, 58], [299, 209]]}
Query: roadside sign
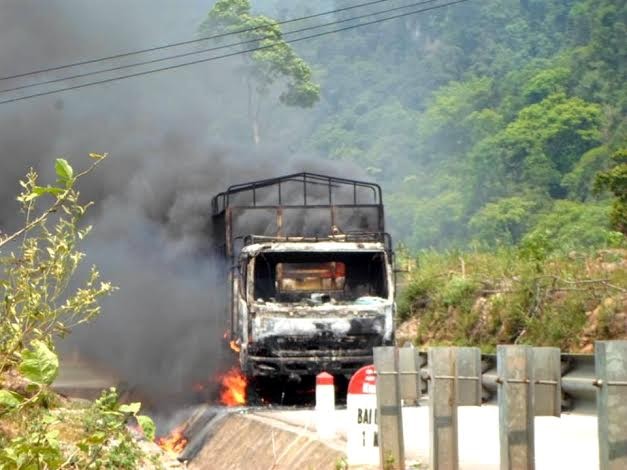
{"points": [[362, 432]]}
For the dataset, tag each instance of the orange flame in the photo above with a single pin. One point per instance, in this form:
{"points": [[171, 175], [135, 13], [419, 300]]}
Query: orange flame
{"points": [[174, 442], [234, 346], [233, 388]]}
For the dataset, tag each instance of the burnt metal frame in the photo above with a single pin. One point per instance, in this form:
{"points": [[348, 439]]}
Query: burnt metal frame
{"points": [[222, 208], [221, 201]]}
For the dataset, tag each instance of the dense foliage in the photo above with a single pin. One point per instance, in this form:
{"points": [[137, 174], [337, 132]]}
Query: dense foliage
{"points": [[487, 121], [498, 129], [615, 179]]}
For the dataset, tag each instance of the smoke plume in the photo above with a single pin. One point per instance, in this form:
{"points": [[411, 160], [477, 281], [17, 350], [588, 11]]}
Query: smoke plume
{"points": [[175, 139]]}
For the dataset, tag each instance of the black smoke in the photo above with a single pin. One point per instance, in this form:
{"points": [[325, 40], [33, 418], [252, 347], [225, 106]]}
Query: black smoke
{"points": [[174, 140]]}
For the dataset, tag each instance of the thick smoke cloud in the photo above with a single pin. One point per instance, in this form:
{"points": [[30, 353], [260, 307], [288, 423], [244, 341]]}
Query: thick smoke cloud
{"points": [[174, 139]]}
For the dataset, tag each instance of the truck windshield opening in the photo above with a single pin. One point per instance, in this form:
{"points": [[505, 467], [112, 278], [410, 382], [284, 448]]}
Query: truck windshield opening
{"points": [[319, 277]]}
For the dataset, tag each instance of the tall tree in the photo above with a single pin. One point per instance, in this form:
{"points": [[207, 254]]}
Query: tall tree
{"points": [[274, 62], [615, 179]]}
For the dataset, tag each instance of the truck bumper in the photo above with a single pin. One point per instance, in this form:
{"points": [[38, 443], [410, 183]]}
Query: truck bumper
{"points": [[260, 366], [306, 345], [304, 356]]}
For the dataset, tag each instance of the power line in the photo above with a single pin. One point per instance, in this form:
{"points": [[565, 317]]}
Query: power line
{"points": [[223, 56], [190, 41], [232, 54], [211, 49]]}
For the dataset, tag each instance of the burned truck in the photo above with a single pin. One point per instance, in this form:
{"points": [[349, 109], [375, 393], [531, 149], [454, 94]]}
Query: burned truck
{"points": [[311, 274]]}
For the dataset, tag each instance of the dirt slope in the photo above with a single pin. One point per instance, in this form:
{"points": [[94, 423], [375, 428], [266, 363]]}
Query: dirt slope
{"points": [[247, 442]]}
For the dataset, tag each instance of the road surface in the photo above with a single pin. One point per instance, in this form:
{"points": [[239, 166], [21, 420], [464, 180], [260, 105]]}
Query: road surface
{"points": [[569, 442]]}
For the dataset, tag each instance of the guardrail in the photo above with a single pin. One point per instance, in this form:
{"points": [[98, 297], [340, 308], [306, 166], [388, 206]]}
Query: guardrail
{"points": [[528, 382]]}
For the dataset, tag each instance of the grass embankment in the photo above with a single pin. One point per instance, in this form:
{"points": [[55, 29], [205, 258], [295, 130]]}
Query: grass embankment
{"points": [[505, 297]]}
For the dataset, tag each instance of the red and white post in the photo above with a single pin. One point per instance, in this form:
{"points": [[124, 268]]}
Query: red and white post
{"points": [[325, 405]]}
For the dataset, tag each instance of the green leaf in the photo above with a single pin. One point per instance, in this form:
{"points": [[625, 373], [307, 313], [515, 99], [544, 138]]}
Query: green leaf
{"points": [[130, 408], [96, 438], [49, 420], [64, 172], [39, 364], [40, 190], [10, 399], [148, 426]]}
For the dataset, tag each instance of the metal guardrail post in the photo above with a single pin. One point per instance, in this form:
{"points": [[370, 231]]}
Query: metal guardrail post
{"points": [[611, 372], [516, 406], [389, 411], [443, 408], [455, 375], [468, 376], [547, 378], [409, 362]]}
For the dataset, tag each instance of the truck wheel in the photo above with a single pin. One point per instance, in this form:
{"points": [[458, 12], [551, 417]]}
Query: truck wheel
{"points": [[253, 398]]}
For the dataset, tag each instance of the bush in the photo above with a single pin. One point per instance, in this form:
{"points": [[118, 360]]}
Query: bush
{"points": [[459, 292], [38, 306], [36, 273]]}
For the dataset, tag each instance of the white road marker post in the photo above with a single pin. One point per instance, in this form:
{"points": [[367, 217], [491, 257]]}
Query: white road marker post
{"points": [[362, 440], [325, 405]]}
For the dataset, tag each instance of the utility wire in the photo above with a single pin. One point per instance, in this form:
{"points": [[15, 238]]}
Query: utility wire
{"points": [[190, 41], [212, 49], [232, 54]]}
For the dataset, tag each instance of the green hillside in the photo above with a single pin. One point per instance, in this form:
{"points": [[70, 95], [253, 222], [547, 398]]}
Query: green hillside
{"points": [[487, 121]]}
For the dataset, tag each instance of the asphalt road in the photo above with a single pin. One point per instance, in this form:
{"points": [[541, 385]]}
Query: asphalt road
{"points": [[569, 442]]}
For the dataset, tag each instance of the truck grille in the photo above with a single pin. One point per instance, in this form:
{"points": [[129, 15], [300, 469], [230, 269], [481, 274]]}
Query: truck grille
{"points": [[319, 345]]}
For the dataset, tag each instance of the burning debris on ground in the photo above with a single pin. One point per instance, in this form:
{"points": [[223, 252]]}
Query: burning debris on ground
{"points": [[174, 442], [192, 429], [232, 393], [233, 388]]}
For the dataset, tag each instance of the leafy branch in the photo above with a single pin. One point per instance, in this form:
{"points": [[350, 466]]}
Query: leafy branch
{"points": [[36, 306], [34, 279], [66, 177]]}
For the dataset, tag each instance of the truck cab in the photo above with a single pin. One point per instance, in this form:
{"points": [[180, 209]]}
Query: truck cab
{"points": [[311, 278]]}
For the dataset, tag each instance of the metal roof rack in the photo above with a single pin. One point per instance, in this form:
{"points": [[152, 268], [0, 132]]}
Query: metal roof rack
{"points": [[353, 208], [223, 200]]}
